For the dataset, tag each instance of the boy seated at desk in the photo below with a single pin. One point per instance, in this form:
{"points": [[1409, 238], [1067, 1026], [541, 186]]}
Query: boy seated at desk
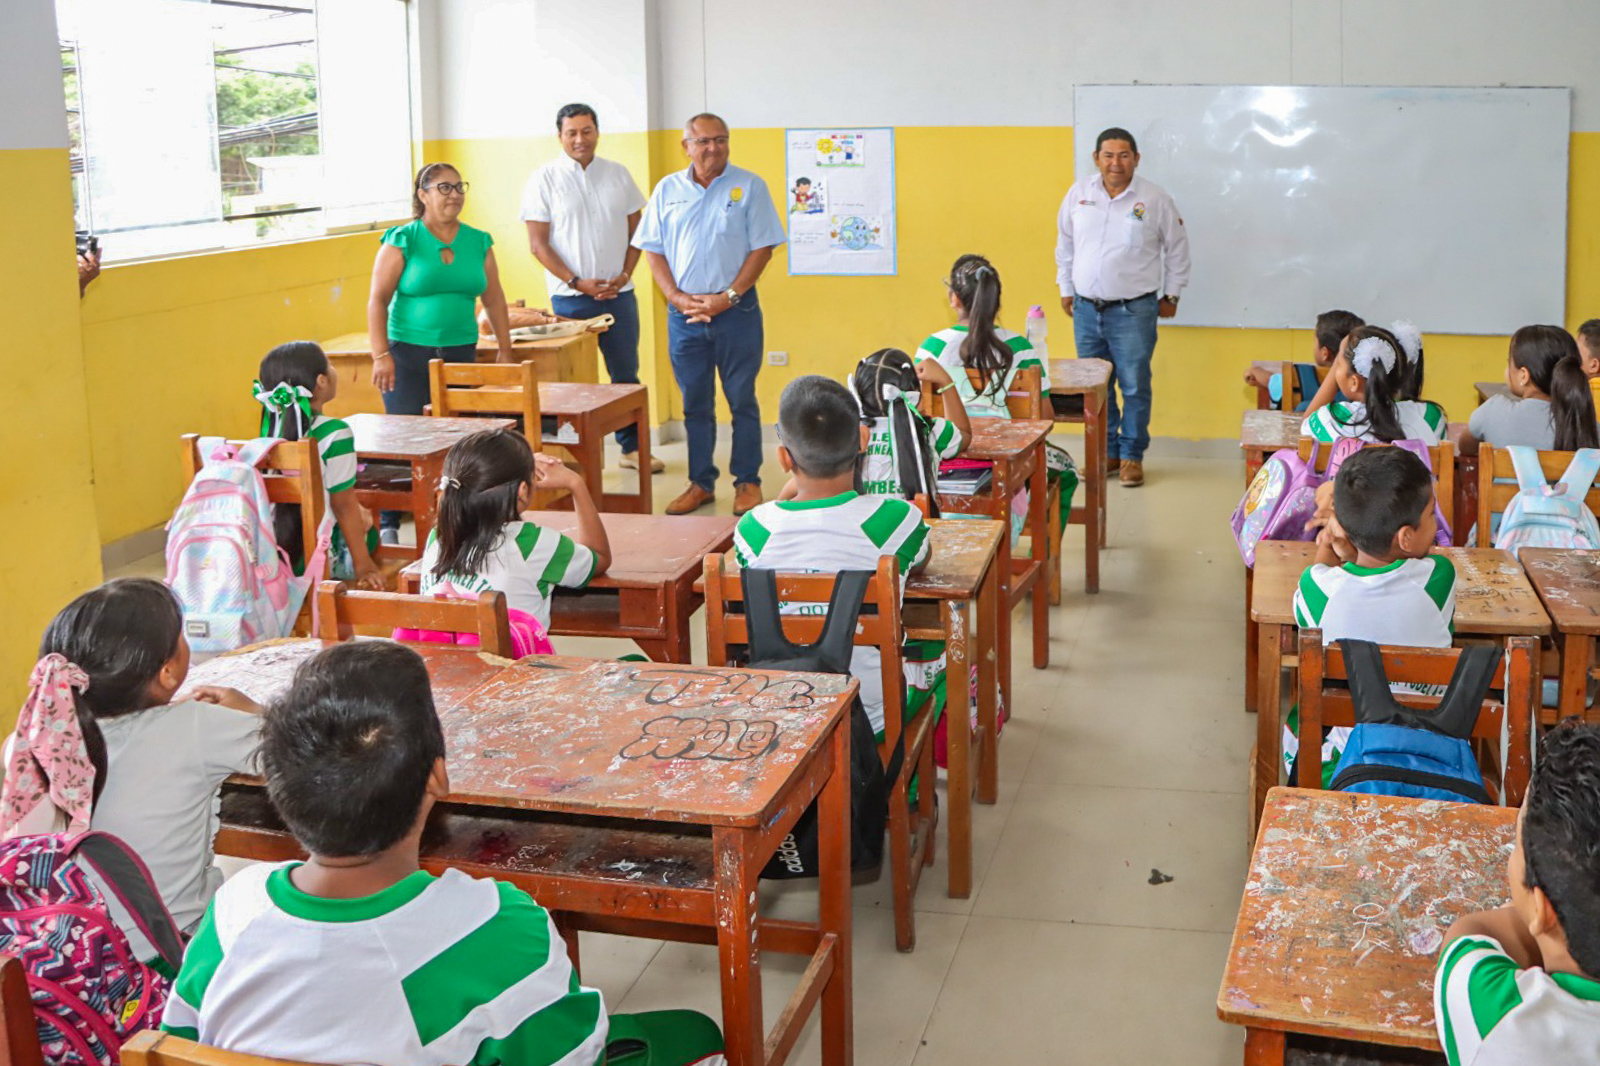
{"points": [[1517, 985], [822, 525], [357, 955], [1373, 578], [1330, 332]]}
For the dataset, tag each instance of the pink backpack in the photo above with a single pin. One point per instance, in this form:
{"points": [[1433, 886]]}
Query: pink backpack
{"points": [[527, 636], [89, 993], [1282, 497]]}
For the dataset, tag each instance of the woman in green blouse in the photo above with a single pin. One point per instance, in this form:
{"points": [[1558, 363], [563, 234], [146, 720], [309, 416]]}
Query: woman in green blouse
{"points": [[425, 281]]}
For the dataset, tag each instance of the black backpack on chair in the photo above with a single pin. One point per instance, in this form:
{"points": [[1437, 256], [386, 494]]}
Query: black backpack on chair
{"points": [[769, 649]]}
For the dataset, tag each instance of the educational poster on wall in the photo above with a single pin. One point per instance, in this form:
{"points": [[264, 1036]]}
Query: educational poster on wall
{"points": [[839, 196]]}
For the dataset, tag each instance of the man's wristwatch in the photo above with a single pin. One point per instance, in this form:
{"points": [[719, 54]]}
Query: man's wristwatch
{"points": [[1173, 300], [733, 296], [572, 282]]}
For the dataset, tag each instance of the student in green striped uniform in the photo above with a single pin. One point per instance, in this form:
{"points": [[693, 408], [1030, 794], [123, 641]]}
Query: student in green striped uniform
{"points": [[826, 526], [904, 448], [1380, 388], [978, 342], [357, 954], [1517, 986], [481, 540], [296, 381]]}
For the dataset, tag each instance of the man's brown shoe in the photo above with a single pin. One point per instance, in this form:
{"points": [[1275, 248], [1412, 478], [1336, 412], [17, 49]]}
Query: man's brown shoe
{"points": [[746, 495], [1132, 473], [693, 498]]}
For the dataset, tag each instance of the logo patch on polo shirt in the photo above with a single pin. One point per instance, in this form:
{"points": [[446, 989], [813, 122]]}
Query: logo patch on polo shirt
{"points": [[1137, 212]]}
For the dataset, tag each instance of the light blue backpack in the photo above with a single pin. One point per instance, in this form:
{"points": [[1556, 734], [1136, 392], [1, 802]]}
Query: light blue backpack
{"points": [[1542, 515]]}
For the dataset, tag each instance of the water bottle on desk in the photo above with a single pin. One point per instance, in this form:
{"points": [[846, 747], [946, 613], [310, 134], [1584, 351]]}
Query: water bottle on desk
{"points": [[1035, 332]]}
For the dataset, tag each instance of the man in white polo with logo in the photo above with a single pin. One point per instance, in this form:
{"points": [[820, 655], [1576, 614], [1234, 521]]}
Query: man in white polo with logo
{"points": [[581, 212], [1122, 260]]}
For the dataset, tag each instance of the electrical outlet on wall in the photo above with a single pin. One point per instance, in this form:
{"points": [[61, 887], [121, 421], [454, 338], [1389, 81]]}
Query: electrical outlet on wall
{"points": [[777, 358]]}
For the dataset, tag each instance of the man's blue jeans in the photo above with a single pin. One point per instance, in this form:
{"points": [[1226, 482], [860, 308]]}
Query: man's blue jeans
{"points": [[1125, 335], [619, 344], [729, 346]]}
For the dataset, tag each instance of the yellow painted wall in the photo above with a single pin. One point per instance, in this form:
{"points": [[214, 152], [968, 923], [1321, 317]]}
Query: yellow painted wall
{"points": [[1001, 202], [51, 539], [171, 347]]}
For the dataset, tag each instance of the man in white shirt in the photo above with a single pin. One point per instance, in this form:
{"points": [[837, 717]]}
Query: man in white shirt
{"points": [[1120, 243], [581, 212]]}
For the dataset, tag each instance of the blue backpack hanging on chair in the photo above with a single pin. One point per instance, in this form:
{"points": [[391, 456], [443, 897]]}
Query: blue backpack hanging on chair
{"points": [[1399, 751]]}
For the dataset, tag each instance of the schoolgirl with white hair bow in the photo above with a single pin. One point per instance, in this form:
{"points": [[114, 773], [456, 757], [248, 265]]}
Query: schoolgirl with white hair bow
{"points": [[903, 448], [1381, 383]]}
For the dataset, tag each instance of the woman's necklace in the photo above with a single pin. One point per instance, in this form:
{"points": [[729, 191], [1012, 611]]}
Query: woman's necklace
{"points": [[447, 254]]}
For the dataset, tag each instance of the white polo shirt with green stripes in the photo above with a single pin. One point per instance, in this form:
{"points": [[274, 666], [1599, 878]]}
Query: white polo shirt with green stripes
{"points": [[1490, 1013], [526, 563], [446, 971], [844, 532], [1348, 418], [945, 346], [880, 470], [336, 447]]}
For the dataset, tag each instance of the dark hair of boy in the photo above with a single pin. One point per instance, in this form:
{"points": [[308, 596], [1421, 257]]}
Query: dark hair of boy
{"points": [[1561, 835], [1385, 388], [1116, 133], [1590, 331], [121, 635], [819, 425], [1332, 327], [348, 749], [295, 363], [484, 474], [976, 284], [576, 111], [1379, 491], [891, 366], [1550, 356]]}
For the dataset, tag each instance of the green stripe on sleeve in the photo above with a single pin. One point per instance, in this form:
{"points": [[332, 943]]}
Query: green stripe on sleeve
{"points": [[1312, 598], [946, 439], [1433, 414], [560, 559], [750, 539], [889, 517], [550, 1036], [527, 539], [1442, 582], [200, 962], [914, 548], [333, 447], [933, 346], [1316, 426], [1018, 345]]}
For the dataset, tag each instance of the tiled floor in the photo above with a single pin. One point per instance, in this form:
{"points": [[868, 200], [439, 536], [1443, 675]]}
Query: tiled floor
{"points": [[1126, 756]]}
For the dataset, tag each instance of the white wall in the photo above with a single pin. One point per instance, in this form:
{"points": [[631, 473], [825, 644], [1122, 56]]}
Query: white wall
{"points": [[1015, 62], [34, 114]]}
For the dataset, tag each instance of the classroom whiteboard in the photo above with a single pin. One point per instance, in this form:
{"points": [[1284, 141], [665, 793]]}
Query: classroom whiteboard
{"points": [[1444, 206]]}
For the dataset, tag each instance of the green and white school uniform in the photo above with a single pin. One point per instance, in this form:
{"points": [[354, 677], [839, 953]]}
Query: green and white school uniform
{"points": [[945, 346], [1410, 602], [845, 532], [432, 971], [526, 563], [336, 448], [1348, 418], [880, 471], [1490, 1013]]}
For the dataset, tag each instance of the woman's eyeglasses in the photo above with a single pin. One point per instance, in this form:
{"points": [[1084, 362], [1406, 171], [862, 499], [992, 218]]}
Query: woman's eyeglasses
{"points": [[445, 188]]}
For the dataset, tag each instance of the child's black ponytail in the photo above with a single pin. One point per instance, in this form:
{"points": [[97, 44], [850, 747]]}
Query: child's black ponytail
{"points": [[910, 441], [1386, 382], [1550, 356], [478, 495], [976, 284]]}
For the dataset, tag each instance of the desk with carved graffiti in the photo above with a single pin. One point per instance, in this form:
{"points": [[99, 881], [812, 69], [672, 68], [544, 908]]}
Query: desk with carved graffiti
{"points": [[645, 799]]}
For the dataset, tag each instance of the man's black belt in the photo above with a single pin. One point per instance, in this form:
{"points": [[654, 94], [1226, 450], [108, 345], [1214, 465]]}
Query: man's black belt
{"points": [[1101, 305]]}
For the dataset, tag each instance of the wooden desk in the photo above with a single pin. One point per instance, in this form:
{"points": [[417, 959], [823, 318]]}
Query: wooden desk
{"points": [[1264, 432], [584, 415], [648, 593], [1346, 904], [1486, 389], [1016, 447], [645, 800], [1089, 378], [568, 359], [422, 443], [1493, 598], [1568, 583]]}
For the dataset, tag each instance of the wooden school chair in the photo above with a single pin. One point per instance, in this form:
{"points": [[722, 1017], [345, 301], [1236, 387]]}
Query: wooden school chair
{"points": [[1441, 457], [150, 1048], [911, 837], [343, 612], [21, 1047], [1497, 485], [1290, 396], [462, 390], [1505, 724]]}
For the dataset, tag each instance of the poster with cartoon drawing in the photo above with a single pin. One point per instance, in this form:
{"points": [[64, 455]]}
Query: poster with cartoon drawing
{"points": [[840, 196]]}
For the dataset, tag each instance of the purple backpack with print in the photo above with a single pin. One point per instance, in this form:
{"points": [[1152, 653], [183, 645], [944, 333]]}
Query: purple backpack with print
{"points": [[1282, 497], [89, 992]]}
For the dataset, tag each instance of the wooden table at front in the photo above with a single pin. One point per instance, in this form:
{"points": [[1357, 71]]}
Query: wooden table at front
{"points": [[1089, 378], [1493, 598], [645, 800], [1344, 910], [1264, 432], [420, 442], [585, 415], [1016, 447], [567, 359], [1568, 581], [648, 593]]}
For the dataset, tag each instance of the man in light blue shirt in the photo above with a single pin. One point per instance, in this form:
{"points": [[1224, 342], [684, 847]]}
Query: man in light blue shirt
{"points": [[708, 233]]}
